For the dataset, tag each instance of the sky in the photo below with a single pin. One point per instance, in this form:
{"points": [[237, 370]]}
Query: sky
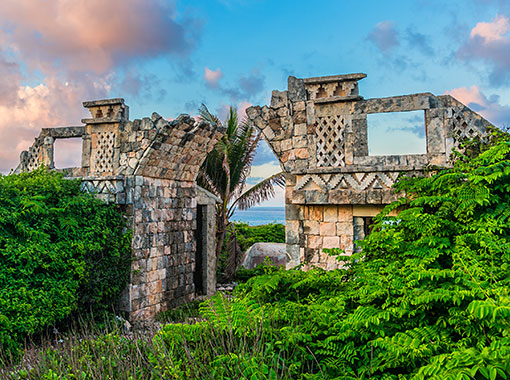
{"points": [[171, 56]]}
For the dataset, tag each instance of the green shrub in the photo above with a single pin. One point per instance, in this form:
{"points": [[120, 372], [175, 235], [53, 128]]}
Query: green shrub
{"points": [[267, 233], [247, 236], [61, 251], [428, 298]]}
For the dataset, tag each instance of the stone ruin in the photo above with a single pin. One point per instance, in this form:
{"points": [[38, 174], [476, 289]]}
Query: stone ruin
{"points": [[149, 168], [318, 131]]}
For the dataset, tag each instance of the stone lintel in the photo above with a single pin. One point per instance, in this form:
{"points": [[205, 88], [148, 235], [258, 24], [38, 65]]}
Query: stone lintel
{"points": [[64, 132], [401, 103], [362, 169], [103, 102], [369, 210], [206, 197], [343, 197], [335, 78]]}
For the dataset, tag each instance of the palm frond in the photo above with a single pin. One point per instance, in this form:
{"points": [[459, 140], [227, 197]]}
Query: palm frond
{"points": [[232, 122], [261, 192], [206, 115], [244, 164], [205, 182]]}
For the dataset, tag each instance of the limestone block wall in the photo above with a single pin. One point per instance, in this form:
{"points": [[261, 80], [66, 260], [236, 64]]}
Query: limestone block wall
{"points": [[148, 167], [318, 131], [163, 245]]}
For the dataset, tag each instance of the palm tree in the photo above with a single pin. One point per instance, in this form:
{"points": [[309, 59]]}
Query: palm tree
{"points": [[224, 173]]}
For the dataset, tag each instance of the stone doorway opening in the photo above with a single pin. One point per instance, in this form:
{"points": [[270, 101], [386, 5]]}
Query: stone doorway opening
{"points": [[200, 273]]}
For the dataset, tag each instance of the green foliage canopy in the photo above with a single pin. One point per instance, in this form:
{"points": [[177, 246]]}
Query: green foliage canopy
{"points": [[428, 298], [61, 251]]}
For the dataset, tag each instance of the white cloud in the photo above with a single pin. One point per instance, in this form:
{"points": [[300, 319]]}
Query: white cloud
{"points": [[265, 170]]}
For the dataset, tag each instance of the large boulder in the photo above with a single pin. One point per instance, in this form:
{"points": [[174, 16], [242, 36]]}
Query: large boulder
{"points": [[256, 254]]}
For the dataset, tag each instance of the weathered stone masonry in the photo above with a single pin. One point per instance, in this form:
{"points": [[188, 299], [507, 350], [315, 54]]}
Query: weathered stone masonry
{"points": [[149, 167], [318, 131]]}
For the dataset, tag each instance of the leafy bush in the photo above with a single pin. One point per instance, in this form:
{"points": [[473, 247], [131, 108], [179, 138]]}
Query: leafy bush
{"points": [[247, 236], [267, 233], [428, 298], [61, 251]]}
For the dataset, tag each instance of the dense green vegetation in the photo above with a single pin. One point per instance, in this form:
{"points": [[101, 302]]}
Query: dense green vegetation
{"points": [[427, 299], [61, 251], [246, 236], [267, 233]]}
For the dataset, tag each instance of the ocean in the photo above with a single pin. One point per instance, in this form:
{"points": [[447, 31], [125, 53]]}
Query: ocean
{"points": [[260, 215]]}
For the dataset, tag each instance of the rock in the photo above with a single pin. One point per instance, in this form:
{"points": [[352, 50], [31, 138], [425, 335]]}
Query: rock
{"points": [[297, 90], [256, 254]]}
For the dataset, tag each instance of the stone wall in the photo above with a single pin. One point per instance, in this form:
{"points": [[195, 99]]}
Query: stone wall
{"points": [[318, 131], [163, 245], [148, 167]]}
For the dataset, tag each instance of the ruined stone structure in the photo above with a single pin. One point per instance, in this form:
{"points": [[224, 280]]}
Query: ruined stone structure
{"points": [[318, 131], [149, 167]]}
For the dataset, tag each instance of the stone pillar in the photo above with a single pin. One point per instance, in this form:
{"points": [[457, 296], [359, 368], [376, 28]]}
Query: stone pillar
{"points": [[101, 143]]}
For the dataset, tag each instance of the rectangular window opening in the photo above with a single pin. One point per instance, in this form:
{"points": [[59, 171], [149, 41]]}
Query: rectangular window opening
{"points": [[67, 153], [396, 133]]}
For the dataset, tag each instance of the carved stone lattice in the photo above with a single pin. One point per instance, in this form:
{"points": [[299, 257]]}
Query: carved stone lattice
{"points": [[104, 152], [463, 129], [330, 141], [32, 160]]}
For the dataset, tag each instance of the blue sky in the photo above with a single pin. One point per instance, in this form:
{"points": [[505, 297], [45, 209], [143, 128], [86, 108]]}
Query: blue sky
{"points": [[170, 57]]}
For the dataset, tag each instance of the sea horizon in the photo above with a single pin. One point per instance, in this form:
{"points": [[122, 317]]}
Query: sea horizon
{"points": [[259, 215]]}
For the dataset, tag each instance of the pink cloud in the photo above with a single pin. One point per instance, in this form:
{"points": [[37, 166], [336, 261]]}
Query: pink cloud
{"points": [[52, 103], [488, 107], [241, 108], [79, 47], [212, 77], [90, 35], [10, 78], [492, 31], [67, 153], [490, 43]]}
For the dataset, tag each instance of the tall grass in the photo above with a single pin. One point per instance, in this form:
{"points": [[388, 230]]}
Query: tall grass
{"points": [[204, 350]]}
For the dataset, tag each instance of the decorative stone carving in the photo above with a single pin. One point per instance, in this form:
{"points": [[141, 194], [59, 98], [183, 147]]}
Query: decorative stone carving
{"points": [[104, 151], [330, 141], [352, 181]]}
